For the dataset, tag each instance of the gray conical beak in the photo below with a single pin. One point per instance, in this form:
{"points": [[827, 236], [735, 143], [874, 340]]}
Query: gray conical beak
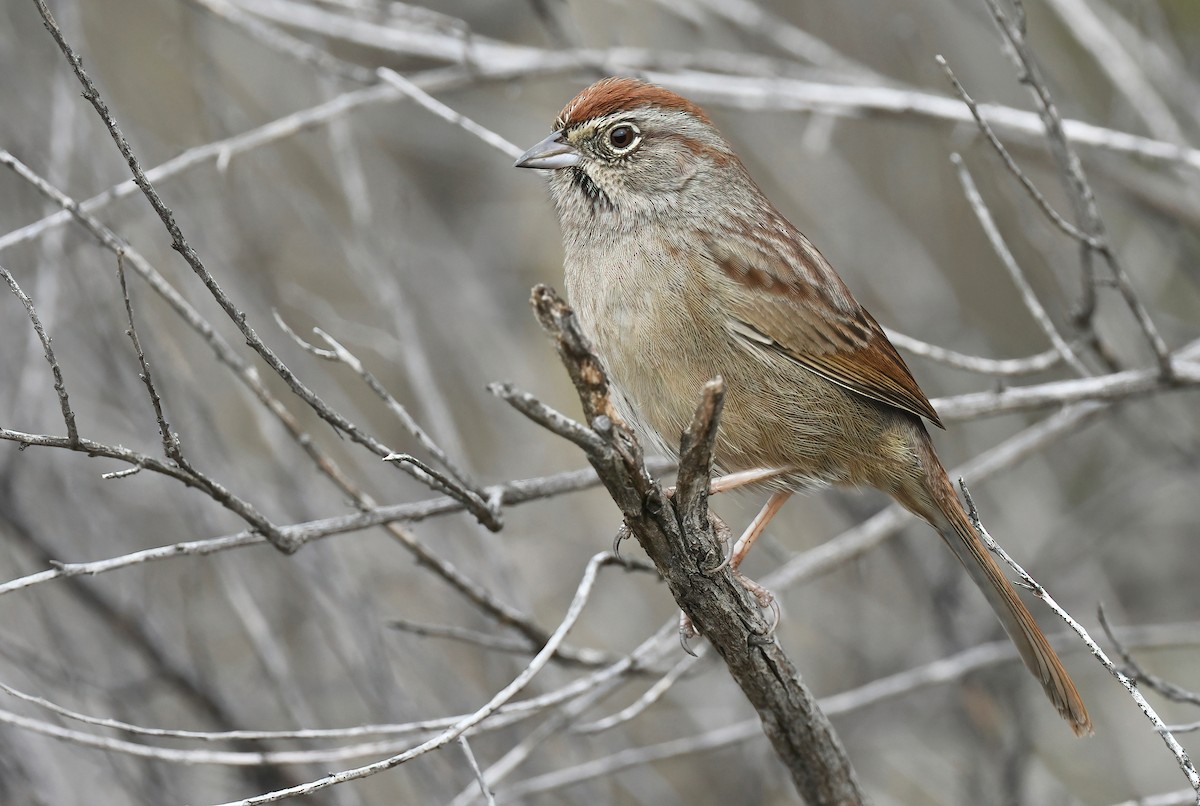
{"points": [[553, 152]]}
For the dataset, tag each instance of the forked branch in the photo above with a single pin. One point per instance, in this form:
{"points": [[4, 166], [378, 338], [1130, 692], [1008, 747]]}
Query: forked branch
{"points": [[677, 534]]}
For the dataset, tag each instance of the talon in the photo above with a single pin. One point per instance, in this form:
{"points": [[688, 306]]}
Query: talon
{"points": [[716, 568], [776, 614], [724, 537], [687, 631], [764, 599], [622, 534]]}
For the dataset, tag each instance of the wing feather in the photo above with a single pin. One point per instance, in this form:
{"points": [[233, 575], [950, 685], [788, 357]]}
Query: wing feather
{"points": [[788, 299]]}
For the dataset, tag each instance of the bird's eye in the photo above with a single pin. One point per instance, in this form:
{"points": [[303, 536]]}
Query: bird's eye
{"points": [[623, 136]]}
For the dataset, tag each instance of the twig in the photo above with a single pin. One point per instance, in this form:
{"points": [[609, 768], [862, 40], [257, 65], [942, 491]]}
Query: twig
{"points": [[1011, 164], [1001, 367], [1123, 70], [1081, 194], [172, 447], [518, 491], [283, 42], [651, 696], [446, 113], [1028, 296], [60, 386], [1037, 590], [180, 244], [603, 684], [539, 661], [554, 421], [345, 356], [1138, 675], [1185, 373], [483, 784]]}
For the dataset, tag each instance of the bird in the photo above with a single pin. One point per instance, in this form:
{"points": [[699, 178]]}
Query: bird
{"points": [[680, 269]]}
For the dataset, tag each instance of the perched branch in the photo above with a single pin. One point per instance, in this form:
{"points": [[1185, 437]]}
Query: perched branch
{"points": [[677, 535]]}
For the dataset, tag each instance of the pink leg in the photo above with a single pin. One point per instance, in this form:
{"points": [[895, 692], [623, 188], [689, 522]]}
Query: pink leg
{"points": [[732, 481], [756, 527]]}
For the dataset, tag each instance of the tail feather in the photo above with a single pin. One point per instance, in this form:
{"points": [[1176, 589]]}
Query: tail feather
{"points": [[951, 522], [1018, 622]]}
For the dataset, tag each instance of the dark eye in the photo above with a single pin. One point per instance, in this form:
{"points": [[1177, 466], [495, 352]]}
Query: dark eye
{"points": [[623, 136]]}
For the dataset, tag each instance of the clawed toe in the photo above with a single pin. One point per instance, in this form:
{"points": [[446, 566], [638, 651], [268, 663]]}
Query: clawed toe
{"points": [[763, 598], [622, 534], [724, 537], [687, 631]]}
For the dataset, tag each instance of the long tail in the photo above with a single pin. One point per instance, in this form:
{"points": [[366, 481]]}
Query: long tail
{"points": [[951, 522]]}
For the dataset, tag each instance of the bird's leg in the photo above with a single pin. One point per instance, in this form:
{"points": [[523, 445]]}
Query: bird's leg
{"points": [[763, 597], [756, 527], [731, 481]]}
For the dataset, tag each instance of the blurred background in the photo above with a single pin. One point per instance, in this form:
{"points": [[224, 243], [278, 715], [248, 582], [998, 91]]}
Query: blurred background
{"points": [[414, 244]]}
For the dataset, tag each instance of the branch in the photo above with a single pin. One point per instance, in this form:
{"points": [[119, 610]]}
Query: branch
{"points": [[1181, 756], [677, 534], [60, 387], [180, 244]]}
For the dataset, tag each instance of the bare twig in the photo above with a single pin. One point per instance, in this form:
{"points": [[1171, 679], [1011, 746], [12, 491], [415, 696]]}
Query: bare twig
{"points": [[1037, 590], [1028, 296], [1140, 676], [172, 447], [539, 661], [651, 696], [514, 492], [60, 386], [181, 245], [1011, 164], [483, 784], [446, 113], [1001, 367], [1082, 196]]}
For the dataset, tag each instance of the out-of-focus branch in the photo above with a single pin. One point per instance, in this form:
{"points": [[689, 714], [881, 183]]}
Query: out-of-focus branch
{"points": [[1087, 212], [180, 244], [1028, 296]]}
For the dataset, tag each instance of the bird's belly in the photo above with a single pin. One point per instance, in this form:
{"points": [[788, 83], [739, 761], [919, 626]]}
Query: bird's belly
{"points": [[659, 362]]}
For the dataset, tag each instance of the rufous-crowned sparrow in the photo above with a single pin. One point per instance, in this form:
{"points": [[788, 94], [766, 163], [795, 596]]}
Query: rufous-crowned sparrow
{"points": [[680, 270]]}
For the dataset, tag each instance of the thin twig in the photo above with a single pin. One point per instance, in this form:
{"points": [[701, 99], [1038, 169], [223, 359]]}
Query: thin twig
{"points": [[582, 593], [483, 784], [999, 367], [181, 245], [172, 447], [1138, 675], [1028, 296], [352, 361], [518, 491], [1011, 164], [60, 386], [1081, 194], [444, 112], [651, 696], [1130, 686]]}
